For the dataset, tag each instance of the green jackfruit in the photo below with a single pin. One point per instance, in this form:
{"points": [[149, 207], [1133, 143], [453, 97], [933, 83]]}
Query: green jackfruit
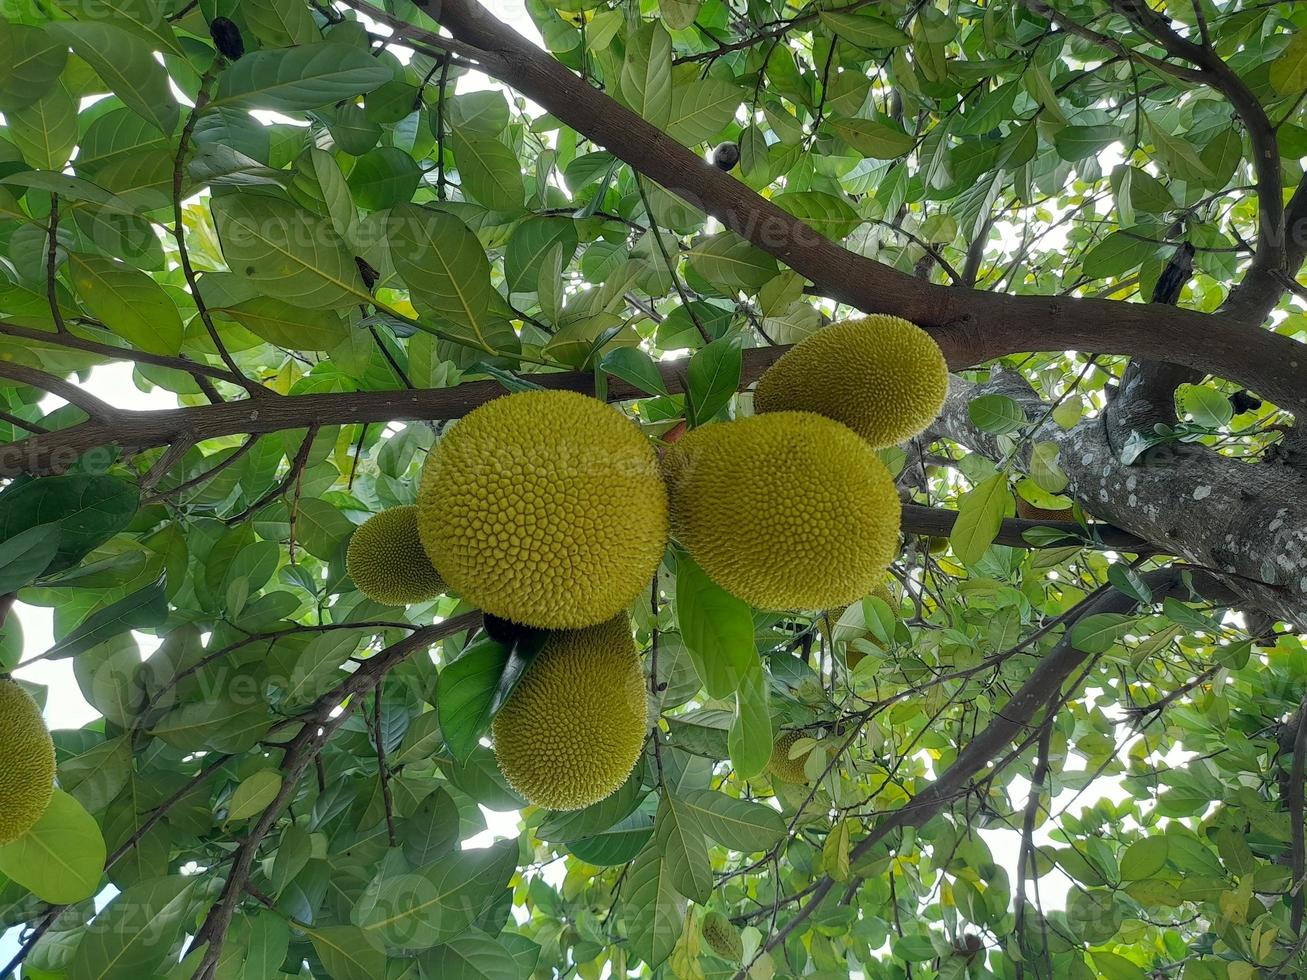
{"points": [[784, 768], [573, 728], [786, 511], [883, 377], [387, 562], [26, 762], [545, 508]]}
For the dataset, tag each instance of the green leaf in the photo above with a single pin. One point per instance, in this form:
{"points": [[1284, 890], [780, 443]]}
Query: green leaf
{"points": [[287, 325], [738, 824], [145, 607], [289, 253], [135, 932], [685, 855], [714, 377], [1144, 858], [980, 515], [128, 302], [383, 177], [1117, 254], [749, 740], [61, 859], [1044, 470], [144, 18], [701, 109], [655, 909], [299, 78], [728, 260], [280, 23], [45, 131], [531, 241], [1129, 582], [877, 140], [446, 269], [1289, 69], [868, 31], [1097, 633], [635, 366], [716, 627], [254, 794], [33, 60], [347, 953], [832, 216], [467, 689], [1207, 406], [1075, 143], [470, 957], [26, 555], [996, 414], [89, 509], [127, 65], [489, 171], [646, 80]]}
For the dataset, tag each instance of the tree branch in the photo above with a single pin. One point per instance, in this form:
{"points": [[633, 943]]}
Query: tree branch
{"points": [[970, 325], [100, 411]]}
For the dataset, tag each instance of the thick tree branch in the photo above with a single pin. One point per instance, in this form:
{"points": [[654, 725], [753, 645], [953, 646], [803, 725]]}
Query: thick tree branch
{"points": [[100, 411], [971, 326]]}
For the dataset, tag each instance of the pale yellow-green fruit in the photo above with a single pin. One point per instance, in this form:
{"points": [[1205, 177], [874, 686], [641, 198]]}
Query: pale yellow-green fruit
{"points": [[387, 562], [781, 766], [545, 508], [573, 728], [786, 511], [26, 762], [883, 377]]}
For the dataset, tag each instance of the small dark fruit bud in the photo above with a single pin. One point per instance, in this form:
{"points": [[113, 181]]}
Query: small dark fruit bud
{"points": [[726, 156], [369, 274], [1244, 401], [227, 38]]}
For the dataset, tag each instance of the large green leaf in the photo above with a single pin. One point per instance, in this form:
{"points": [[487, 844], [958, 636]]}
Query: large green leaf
{"points": [[128, 302], [295, 79], [88, 509], [32, 59], [685, 855], [45, 131], [490, 172], [738, 824], [61, 858], [655, 908], [135, 932], [288, 252], [126, 64], [716, 627]]}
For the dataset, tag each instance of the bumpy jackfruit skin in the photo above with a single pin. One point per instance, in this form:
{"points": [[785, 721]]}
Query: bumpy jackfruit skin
{"points": [[546, 508], [573, 728], [787, 511], [781, 766], [26, 762], [721, 936], [883, 377], [387, 562], [1029, 512]]}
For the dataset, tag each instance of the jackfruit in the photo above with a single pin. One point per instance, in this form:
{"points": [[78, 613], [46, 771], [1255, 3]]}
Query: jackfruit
{"points": [[26, 762], [573, 728], [387, 562], [785, 511], [721, 936], [781, 766], [1030, 512], [546, 508], [883, 377]]}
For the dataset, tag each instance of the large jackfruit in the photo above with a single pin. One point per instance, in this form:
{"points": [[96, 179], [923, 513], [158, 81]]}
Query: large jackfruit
{"points": [[786, 511], [784, 768], [26, 762], [387, 562], [721, 936], [573, 728], [883, 377], [545, 508]]}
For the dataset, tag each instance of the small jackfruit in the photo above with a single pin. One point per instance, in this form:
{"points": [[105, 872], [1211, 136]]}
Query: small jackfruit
{"points": [[546, 508], [1030, 512], [26, 762], [387, 562], [785, 511], [883, 377], [721, 936], [781, 766], [573, 728]]}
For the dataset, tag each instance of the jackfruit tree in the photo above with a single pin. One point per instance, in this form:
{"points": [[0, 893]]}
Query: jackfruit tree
{"points": [[680, 488]]}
